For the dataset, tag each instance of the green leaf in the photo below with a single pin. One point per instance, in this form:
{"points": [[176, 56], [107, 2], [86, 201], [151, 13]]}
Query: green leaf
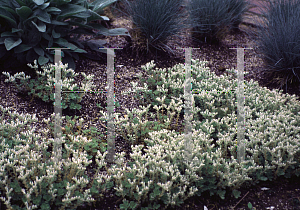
{"points": [[53, 10], [116, 32], [22, 48], [72, 96], [95, 16], [55, 22], [31, 56], [221, 193], [15, 30], [42, 60], [135, 120], [38, 2], [41, 26], [24, 12], [100, 5], [44, 6], [55, 35], [69, 10], [11, 43], [236, 193], [263, 178], [39, 51], [9, 34], [21, 3], [96, 44], [37, 200], [9, 17], [64, 43], [42, 15]]}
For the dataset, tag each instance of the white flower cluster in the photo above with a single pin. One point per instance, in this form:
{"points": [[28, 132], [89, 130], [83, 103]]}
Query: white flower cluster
{"points": [[23, 163], [160, 170], [272, 131]]}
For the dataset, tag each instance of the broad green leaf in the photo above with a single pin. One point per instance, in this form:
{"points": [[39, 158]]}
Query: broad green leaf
{"points": [[55, 22], [42, 15], [9, 34], [22, 48], [55, 35], [39, 51], [21, 3], [14, 30], [78, 50], [65, 44], [116, 32], [53, 10], [44, 6], [38, 2], [95, 16], [96, 44], [31, 56], [10, 10], [42, 60], [80, 25], [69, 10], [100, 4], [8, 16], [41, 26], [11, 43], [24, 12]]}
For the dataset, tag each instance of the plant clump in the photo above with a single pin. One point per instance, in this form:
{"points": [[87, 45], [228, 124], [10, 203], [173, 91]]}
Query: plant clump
{"points": [[212, 20], [278, 42], [154, 22], [44, 85], [30, 27], [163, 170]]}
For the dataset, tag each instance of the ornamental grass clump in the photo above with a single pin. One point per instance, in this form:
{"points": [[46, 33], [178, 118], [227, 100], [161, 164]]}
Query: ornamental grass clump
{"points": [[210, 21], [43, 86], [237, 8], [278, 41], [154, 22]]}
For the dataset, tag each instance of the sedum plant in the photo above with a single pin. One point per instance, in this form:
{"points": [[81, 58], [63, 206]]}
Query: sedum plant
{"points": [[160, 175], [43, 86], [154, 22], [210, 21], [278, 43], [31, 26], [30, 177]]}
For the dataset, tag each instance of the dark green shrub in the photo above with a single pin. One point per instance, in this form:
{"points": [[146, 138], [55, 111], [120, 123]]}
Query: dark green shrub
{"points": [[34, 25], [278, 41], [154, 22], [211, 20]]}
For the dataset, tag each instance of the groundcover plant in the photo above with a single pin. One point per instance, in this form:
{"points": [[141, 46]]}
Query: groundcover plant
{"points": [[158, 176]]}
